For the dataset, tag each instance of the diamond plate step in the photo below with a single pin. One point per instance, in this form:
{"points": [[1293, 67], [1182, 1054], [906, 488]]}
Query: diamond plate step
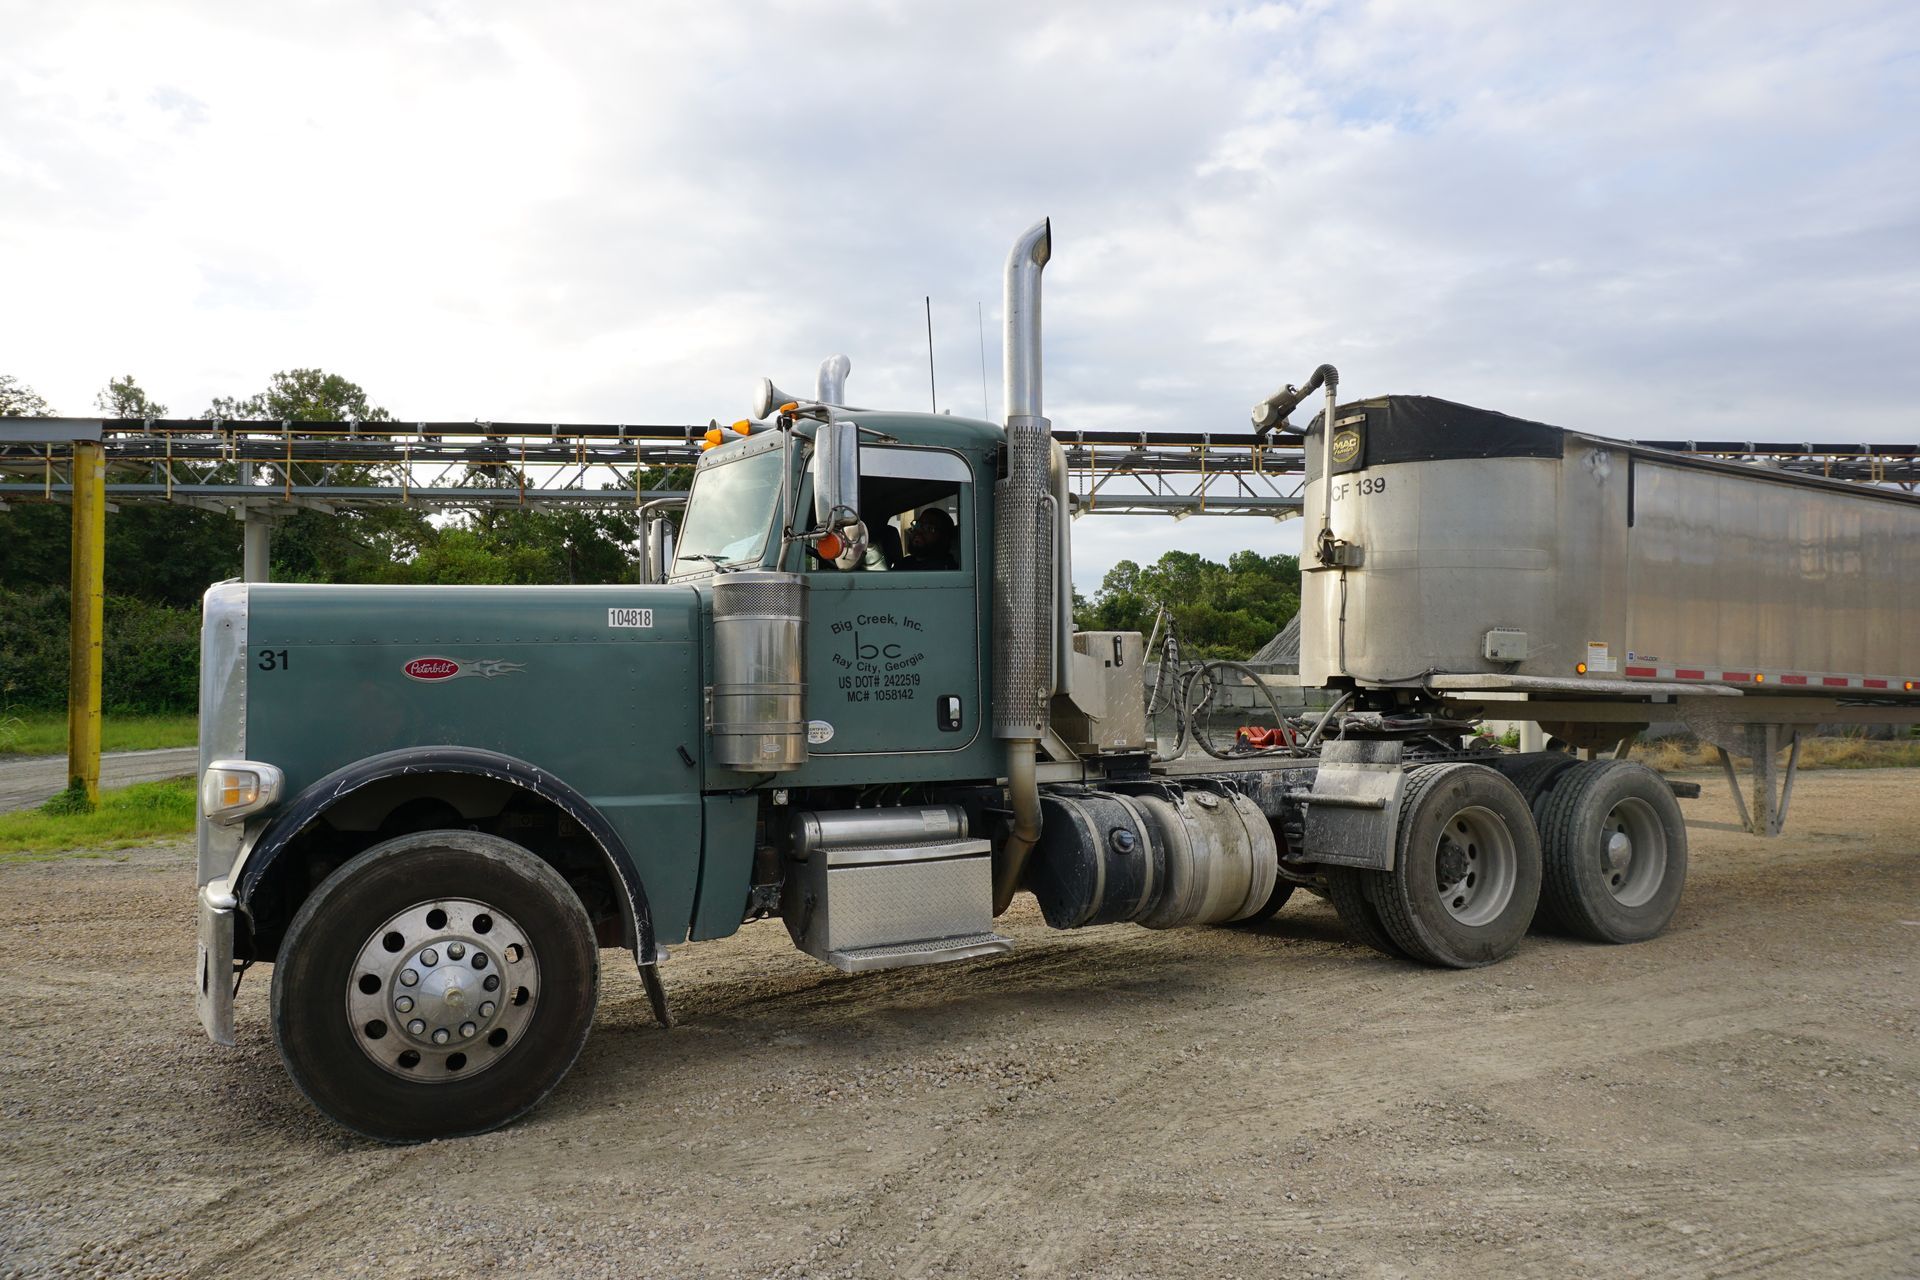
{"points": [[900, 955]]}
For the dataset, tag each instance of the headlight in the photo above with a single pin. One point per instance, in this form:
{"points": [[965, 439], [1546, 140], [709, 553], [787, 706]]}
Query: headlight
{"points": [[232, 789]]}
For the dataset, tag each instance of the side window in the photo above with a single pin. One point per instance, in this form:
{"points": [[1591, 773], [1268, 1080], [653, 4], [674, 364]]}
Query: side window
{"points": [[913, 502]]}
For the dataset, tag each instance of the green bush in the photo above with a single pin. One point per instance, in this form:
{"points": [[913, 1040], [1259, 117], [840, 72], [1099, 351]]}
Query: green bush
{"points": [[150, 654]]}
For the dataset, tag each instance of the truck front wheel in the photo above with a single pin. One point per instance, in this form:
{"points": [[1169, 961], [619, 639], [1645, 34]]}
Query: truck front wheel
{"points": [[438, 985]]}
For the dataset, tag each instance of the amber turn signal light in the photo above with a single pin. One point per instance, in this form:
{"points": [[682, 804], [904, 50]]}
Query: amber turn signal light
{"points": [[829, 546]]}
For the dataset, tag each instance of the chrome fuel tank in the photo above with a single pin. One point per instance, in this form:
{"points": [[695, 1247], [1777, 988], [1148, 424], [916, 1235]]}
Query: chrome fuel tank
{"points": [[1488, 544], [757, 713]]}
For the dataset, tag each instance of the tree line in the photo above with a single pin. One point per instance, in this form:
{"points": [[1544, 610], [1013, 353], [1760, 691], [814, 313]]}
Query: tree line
{"points": [[1218, 610]]}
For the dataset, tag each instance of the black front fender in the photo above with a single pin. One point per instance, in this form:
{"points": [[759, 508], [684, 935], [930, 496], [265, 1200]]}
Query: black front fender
{"points": [[417, 761]]}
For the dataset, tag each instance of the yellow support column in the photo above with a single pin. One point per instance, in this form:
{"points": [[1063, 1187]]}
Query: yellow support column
{"points": [[86, 594]]}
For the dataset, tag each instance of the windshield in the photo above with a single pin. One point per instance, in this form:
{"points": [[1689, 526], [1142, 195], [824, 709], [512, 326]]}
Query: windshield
{"points": [[729, 513]]}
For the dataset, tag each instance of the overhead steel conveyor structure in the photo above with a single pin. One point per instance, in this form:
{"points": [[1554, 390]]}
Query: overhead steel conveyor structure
{"points": [[274, 468]]}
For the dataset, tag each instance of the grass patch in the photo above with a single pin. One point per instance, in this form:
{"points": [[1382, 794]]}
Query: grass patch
{"points": [[125, 816], [44, 733], [1671, 754]]}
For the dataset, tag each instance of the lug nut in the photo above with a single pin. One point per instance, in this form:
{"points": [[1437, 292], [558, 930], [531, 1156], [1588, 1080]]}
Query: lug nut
{"points": [[440, 1035], [429, 957], [486, 1008], [404, 1004], [455, 950], [492, 983], [417, 1027], [466, 1030], [409, 978]]}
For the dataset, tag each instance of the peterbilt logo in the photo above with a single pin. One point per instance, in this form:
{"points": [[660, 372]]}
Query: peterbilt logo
{"points": [[432, 670], [1345, 445]]}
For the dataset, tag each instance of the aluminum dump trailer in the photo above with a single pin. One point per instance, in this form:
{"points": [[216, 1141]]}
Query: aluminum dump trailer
{"points": [[1483, 548], [1593, 586]]}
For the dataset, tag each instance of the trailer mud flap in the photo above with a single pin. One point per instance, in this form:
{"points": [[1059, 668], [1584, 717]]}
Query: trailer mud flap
{"points": [[1354, 805]]}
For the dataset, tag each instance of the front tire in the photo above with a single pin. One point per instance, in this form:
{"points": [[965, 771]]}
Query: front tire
{"points": [[437, 985], [1466, 868]]}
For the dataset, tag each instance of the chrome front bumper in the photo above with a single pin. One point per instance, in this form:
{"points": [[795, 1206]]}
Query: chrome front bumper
{"points": [[213, 976]]}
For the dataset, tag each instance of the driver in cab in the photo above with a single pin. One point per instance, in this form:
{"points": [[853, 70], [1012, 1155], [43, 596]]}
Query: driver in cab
{"points": [[930, 542]]}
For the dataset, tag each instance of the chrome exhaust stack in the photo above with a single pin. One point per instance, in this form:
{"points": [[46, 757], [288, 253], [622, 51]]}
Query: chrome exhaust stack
{"points": [[1026, 533], [830, 387]]}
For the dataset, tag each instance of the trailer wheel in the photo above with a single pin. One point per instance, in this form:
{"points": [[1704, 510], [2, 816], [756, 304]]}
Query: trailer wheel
{"points": [[1466, 869], [437, 985], [1615, 850], [1346, 890]]}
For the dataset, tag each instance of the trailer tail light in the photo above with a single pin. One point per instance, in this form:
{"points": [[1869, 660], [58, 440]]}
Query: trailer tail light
{"points": [[232, 789]]}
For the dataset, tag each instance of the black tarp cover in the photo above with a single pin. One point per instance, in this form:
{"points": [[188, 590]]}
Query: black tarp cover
{"points": [[1424, 428]]}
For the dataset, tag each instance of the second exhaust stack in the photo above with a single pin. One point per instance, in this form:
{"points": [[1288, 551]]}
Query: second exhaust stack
{"points": [[1024, 514]]}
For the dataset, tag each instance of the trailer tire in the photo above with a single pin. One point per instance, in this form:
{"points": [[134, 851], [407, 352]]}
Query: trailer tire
{"points": [[437, 985], [1346, 890], [1615, 852], [1466, 869]]}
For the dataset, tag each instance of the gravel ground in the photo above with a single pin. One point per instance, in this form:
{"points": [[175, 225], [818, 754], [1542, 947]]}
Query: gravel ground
{"points": [[1738, 1098]]}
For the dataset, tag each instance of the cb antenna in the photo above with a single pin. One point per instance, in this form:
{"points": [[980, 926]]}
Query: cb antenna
{"points": [[932, 395], [980, 316]]}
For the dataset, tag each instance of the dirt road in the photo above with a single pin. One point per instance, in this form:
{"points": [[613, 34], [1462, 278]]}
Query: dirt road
{"points": [[27, 780], [1738, 1098]]}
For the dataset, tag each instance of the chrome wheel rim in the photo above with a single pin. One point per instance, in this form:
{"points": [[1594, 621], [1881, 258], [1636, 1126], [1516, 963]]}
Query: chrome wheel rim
{"points": [[1475, 866], [1633, 852], [443, 990]]}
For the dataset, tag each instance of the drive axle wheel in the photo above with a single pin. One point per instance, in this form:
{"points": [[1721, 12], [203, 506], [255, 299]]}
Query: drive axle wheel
{"points": [[1466, 870], [1616, 853], [1282, 890], [437, 985], [1346, 889]]}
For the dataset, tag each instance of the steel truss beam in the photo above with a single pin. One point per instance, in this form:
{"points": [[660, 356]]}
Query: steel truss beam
{"points": [[329, 465]]}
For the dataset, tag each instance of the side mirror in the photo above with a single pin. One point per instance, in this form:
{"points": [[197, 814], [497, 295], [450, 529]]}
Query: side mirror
{"points": [[836, 475]]}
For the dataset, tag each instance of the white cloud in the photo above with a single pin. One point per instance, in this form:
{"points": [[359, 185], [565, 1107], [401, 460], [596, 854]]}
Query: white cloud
{"points": [[1631, 218]]}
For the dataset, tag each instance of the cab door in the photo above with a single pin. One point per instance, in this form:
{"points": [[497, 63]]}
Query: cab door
{"points": [[893, 663]]}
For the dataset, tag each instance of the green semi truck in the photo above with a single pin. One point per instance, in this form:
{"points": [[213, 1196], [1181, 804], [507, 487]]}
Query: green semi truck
{"points": [[857, 705]]}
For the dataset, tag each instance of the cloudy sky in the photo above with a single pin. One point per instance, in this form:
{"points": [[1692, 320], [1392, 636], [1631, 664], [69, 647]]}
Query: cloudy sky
{"points": [[1656, 219]]}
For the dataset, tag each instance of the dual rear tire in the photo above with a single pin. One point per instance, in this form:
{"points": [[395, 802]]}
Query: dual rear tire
{"points": [[1600, 854], [1615, 849]]}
